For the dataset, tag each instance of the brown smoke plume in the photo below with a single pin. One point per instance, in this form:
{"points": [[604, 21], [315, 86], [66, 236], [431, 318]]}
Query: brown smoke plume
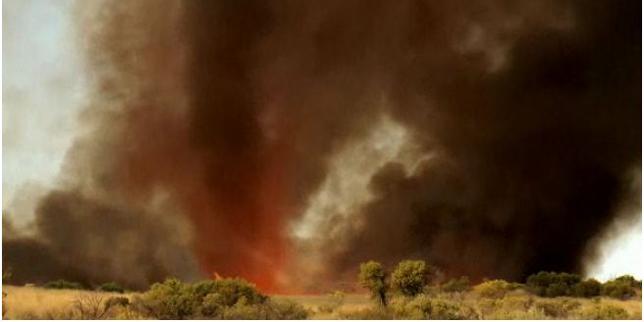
{"points": [[213, 123]]}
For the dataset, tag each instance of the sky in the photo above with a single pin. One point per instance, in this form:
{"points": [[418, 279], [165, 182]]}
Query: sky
{"points": [[44, 89]]}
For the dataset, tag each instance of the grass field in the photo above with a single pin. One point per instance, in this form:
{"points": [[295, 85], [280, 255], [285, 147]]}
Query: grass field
{"points": [[26, 302]]}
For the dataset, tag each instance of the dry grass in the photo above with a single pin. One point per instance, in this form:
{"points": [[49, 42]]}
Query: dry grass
{"points": [[26, 302], [315, 303], [33, 302], [515, 305]]}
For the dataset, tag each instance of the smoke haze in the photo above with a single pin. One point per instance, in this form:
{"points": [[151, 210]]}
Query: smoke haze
{"points": [[286, 142]]}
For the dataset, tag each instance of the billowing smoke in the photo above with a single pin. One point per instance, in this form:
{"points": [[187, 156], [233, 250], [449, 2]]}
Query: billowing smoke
{"points": [[219, 130], [532, 151]]}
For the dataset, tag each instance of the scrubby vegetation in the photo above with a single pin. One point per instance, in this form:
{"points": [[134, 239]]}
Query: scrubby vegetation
{"points": [[545, 295], [111, 287], [551, 284], [410, 290], [588, 288], [64, 285], [622, 287], [173, 299], [410, 277], [495, 289], [461, 284], [335, 301], [221, 299]]}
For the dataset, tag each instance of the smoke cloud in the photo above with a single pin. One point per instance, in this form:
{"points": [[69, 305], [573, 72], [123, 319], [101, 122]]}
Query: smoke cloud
{"points": [[218, 131]]}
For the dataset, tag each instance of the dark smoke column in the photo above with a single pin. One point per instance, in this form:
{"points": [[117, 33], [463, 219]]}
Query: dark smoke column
{"points": [[240, 233], [212, 123]]}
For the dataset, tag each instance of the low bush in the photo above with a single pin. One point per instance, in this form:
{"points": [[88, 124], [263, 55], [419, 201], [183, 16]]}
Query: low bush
{"points": [[588, 288], [270, 310], [426, 307], [630, 280], [221, 299], [171, 299], [532, 313], [601, 311], [111, 287], [512, 306], [335, 301], [228, 291], [93, 306], [494, 289], [621, 289], [461, 284], [63, 284], [410, 277], [551, 284], [557, 308]]}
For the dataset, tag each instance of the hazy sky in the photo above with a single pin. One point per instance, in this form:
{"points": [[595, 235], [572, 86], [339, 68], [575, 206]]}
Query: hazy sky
{"points": [[44, 89], [42, 93]]}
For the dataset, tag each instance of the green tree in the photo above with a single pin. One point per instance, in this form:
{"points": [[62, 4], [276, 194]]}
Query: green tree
{"points": [[410, 277], [372, 277]]}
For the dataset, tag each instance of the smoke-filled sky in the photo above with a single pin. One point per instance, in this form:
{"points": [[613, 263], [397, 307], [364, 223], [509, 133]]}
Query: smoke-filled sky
{"points": [[43, 91], [285, 142]]}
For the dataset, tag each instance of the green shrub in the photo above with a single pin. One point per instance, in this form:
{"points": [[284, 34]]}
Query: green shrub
{"points": [[111, 287], [551, 284], [410, 277], [588, 288], [335, 300], [171, 299], [602, 311], [426, 307], [270, 310], [618, 288], [518, 302], [286, 310], [557, 308], [63, 284], [523, 306], [229, 291], [630, 280], [461, 284], [221, 299], [494, 289], [557, 289], [372, 277]]}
